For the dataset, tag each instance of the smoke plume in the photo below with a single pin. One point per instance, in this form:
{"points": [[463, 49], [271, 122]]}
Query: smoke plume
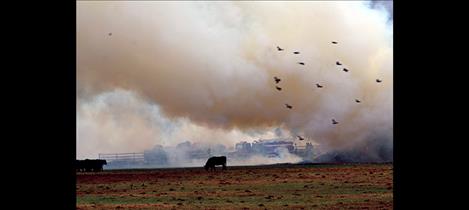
{"points": [[165, 72]]}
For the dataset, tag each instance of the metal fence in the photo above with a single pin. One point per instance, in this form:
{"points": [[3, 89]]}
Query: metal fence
{"points": [[131, 157]]}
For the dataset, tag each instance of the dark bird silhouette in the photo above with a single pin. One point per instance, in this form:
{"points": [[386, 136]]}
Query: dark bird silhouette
{"points": [[288, 106], [277, 80], [296, 52], [110, 34], [301, 138], [279, 49], [338, 63], [334, 122], [358, 101], [278, 88], [301, 63], [334, 42], [346, 70], [319, 86], [378, 80]]}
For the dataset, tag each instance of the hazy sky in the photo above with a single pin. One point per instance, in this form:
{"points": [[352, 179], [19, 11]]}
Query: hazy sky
{"points": [[166, 72]]}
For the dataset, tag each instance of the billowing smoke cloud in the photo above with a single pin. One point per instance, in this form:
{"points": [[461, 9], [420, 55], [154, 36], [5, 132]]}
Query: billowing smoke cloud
{"points": [[203, 71], [120, 121]]}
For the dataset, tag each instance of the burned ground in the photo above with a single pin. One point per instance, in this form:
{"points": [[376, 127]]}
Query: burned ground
{"points": [[345, 186]]}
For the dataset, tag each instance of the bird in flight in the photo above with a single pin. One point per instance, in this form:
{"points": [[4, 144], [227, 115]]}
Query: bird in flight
{"points": [[300, 138], [334, 122], [338, 63], [288, 106], [334, 42], [278, 88], [279, 49], [358, 101], [378, 80], [296, 52], [277, 80], [346, 70], [301, 63], [319, 86]]}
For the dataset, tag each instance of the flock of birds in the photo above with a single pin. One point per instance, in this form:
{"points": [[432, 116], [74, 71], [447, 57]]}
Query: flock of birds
{"points": [[288, 106], [277, 81]]}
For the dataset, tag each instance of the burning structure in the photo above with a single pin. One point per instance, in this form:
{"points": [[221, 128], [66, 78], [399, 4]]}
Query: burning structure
{"points": [[272, 148]]}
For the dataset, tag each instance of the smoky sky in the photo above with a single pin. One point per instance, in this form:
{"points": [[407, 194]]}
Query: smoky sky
{"points": [[387, 5], [165, 72]]}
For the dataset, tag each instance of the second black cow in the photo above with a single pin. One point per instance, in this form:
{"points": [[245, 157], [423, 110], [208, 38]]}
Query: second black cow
{"points": [[215, 161]]}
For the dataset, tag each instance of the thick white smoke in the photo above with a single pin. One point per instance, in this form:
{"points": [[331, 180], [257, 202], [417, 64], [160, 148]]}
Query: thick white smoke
{"points": [[203, 71], [120, 121]]}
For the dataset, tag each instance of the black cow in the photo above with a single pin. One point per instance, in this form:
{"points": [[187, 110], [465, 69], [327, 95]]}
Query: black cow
{"points": [[97, 165], [90, 165], [79, 166], [214, 161]]}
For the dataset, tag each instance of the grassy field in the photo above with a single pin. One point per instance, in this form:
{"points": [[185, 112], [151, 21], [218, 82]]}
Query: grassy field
{"points": [[347, 186]]}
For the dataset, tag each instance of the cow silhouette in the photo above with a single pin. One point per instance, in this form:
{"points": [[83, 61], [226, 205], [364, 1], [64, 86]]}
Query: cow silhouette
{"points": [[90, 165], [79, 166], [214, 161], [97, 165]]}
